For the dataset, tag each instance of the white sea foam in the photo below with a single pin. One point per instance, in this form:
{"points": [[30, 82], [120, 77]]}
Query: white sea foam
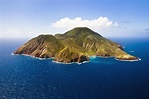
{"points": [[12, 53], [52, 58], [92, 57], [129, 60], [70, 63], [32, 56]]}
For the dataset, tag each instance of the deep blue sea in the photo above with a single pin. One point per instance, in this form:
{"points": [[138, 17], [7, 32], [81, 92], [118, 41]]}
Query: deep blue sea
{"points": [[24, 77]]}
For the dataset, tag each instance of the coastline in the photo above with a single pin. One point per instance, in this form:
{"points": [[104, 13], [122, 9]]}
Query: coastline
{"points": [[93, 57], [33, 56], [129, 60], [70, 62], [52, 58], [90, 57]]}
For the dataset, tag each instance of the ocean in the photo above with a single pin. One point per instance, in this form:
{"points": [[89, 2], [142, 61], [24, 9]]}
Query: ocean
{"points": [[24, 77]]}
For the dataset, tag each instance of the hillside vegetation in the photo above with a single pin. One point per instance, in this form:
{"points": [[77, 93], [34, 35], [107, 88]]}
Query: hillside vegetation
{"points": [[75, 45]]}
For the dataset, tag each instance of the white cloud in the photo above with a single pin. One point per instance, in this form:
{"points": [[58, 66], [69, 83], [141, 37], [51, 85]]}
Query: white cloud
{"points": [[12, 30], [60, 26], [9, 32], [95, 24]]}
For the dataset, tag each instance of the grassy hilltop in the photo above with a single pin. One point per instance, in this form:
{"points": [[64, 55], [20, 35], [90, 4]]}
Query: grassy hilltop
{"points": [[75, 45]]}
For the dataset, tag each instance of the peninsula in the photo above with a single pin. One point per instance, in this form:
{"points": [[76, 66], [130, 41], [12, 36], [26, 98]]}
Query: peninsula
{"points": [[75, 45]]}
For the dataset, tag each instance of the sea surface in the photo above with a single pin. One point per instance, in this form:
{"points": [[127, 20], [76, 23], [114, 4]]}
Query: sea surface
{"points": [[24, 77]]}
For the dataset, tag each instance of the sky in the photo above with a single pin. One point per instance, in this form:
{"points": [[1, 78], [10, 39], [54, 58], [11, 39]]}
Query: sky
{"points": [[110, 18]]}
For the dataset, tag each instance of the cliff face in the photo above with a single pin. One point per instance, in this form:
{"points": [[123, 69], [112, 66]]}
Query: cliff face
{"points": [[75, 45], [70, 54], [43, 46]]}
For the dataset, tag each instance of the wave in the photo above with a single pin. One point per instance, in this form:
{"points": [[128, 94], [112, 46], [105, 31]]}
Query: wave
{"points": [[70, 63], [52, 58], [91, 59], [129, 60], [32, 56]]}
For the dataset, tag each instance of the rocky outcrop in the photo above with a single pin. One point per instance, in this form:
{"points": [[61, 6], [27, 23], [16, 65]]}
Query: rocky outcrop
{"points": [[69, 54], [127, 58], [75, 45]]}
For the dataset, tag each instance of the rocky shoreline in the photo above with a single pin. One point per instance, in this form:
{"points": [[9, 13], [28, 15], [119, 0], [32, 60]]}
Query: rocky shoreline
{"points": [[53, 59]]}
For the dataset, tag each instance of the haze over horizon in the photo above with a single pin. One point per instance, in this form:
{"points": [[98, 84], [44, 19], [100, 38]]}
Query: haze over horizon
{"points": [[110, 18]]}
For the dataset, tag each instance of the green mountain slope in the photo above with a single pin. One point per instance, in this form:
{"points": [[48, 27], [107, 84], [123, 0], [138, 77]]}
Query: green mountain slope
{"points": [[43, 46], [75, 45]]}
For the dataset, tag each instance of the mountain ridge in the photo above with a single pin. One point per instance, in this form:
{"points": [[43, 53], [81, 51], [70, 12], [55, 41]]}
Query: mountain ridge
{"points": [[75, 45]]}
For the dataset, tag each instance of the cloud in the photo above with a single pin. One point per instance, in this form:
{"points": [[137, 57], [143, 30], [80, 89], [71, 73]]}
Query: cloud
{"points": [[95, 24], [60, 26], [9, 32], [12, 30], [147, 29]]}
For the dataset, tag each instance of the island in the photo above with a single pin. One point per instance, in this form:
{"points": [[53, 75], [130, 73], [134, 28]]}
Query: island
{"points": [[76, 45]]}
